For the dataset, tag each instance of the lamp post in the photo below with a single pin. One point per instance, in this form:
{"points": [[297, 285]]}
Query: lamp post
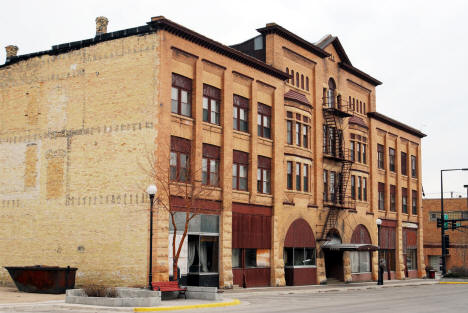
{"points": [[151, 190], [442, 217], [380, 265], [466, 186]]}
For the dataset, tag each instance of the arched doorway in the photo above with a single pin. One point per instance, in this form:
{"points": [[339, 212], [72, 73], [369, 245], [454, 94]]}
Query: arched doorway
{"points": [[361, 256], [299, 255], [333, 258]]}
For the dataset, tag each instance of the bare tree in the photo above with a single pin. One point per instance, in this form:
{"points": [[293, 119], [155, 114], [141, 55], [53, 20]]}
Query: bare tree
{"points": [[179, 182]]}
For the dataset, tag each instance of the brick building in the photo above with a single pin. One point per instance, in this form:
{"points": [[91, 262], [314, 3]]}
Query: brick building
{"points": [[455, 208], [297, 160]]}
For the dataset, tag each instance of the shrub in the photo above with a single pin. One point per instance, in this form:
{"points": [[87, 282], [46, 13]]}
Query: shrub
{"points": [[100, 291], [457, 272]]}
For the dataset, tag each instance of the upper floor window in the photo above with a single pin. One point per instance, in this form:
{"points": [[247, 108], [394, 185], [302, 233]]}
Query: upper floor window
{"points": [[391, 159], [210, 165], [414, 202], [181, 95], [211, 104], [392, 198], [364, 188], [353, 187], [380, 156], [241, 113], [305, 175], [404, 200], [331, 93], [240, 165], [264, 175], [359, 188], [331, 186], [289, 175], [358, 148], [289, 131], [301, 129], [298, 176], [381, 196], [352, 151], [325, 185], [307, 83], [413, 167], [179, 159], [264, 120], [404, 164]]}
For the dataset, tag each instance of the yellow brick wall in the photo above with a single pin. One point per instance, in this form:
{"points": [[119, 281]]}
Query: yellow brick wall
{"points": [[76, 131]]}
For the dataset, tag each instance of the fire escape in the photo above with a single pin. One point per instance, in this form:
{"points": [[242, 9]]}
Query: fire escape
{"points": [[335, 110]]}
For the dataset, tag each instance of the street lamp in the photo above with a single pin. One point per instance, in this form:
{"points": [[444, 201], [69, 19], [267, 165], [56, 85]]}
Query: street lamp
{"points": [[151, 190], [466, 186], [442, 217], [381, 269]]}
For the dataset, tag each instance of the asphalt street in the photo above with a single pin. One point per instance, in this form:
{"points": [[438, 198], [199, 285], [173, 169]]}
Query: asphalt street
{"points": [[414, 299]]}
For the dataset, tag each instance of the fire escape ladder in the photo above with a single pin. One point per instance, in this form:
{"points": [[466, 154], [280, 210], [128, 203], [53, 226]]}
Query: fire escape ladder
{"points": [[330, 222]]}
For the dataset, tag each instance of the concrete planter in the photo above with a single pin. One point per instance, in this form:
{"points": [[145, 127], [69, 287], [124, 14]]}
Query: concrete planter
{"points": [[126, 297], [204, 293]]}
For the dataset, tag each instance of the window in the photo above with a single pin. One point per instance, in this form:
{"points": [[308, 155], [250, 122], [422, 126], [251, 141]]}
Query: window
{"points": [[264, 175], [364, 153], [210, 165], [297, 79], [351, 150], [239, 170], [364, 188], [413, 166], [332, 186], [236, 258], [353, 187], [325, 185], [299, 257], [358, 150], [331, 93], [404, 165], [391, 159], [360, 261], [325, 139], [287, 72], [298, 176], [292, 77], [411, 259], [380, 156], [392, 198], [414, 202], [359, 188], [381, 194], [307, 83], [364, 107], [289, 135], [264, 121], [306, 177], [298, 134], [302, 81], [241, 114], [305, 136], [289, 175], [211, 104], [205, 253], [181, 95], [404, 200], [179, 159]]}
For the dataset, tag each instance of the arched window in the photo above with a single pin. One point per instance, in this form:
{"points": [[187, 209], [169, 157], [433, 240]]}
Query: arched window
{"points": [[292, 77], [360, 106], [364, 107], [302, 81], [307, 83], [349, 103], [331, 93], [287, 72], [297, 79]]}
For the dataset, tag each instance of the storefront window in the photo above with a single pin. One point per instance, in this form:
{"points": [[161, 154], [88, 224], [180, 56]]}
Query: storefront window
{"points": [[411, 259], [360, 261], [299, 256], [236, 258], [250, 257]]}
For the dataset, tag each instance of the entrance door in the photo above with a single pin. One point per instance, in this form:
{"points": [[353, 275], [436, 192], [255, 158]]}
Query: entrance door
{"points": [[334, 264]]}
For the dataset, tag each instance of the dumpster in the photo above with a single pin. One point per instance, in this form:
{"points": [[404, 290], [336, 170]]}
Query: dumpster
{"points": [[43, 279]]}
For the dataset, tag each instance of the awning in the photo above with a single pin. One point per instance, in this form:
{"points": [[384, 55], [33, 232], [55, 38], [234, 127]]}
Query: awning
{"points": [[333, 245]]}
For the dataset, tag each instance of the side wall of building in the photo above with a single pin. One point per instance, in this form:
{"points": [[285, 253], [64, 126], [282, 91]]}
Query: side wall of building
{"points": [[76, 132]]}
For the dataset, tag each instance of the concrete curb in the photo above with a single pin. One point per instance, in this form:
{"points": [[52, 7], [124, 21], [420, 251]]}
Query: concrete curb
{"points": [[190, 306], [454, 282]]}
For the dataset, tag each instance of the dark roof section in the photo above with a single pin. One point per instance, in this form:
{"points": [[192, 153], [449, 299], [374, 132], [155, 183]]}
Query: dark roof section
{"points": [[329, 39], [156, 24], [390, 121], [273, 28], [366, 77], [357, 121], [297, 97]]}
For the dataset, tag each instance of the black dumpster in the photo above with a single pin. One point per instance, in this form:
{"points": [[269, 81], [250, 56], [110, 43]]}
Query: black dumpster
{"points": [[43, 279]]}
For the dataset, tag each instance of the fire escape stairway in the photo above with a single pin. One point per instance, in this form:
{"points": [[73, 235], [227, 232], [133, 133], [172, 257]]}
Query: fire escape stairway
{"points": [[335, 150]]}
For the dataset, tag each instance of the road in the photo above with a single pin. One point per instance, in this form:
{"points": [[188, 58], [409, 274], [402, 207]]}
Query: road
{"points": [[414, 299]]}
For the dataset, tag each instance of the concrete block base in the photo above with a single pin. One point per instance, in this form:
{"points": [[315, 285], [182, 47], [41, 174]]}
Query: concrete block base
{"points": [[126, 297]]}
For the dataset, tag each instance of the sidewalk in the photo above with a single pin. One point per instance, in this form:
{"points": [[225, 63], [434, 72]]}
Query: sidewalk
{"points": [[244, 292]]}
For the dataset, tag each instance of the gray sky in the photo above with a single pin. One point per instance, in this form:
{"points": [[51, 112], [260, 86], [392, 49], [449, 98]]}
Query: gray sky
{"points": [[418, 49]]}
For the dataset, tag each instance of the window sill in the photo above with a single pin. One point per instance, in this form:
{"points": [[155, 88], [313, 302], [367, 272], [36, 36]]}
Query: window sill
{"points": [[241, 134], [182, 119], [208, 187], [308, 150], [265, 195], [241, 192], [212, 127], [265, 140], [300, 266], [298, 192], [297, 88]]}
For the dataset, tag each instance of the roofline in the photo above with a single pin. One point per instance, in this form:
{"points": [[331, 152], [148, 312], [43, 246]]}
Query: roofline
{"points": [[277, 29], [390, 121], [156, 24], [357, 72]]}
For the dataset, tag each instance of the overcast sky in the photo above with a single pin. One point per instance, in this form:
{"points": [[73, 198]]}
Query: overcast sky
{"points": [[418, 49]]}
